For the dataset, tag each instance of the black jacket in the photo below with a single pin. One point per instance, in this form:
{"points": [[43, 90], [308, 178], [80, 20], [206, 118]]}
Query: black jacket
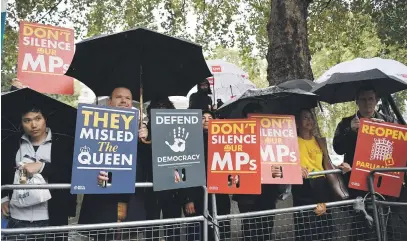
{"points": [[200, 100], [62, 204]]}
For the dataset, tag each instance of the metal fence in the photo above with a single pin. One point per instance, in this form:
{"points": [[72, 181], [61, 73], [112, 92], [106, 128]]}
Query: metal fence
{"points": [[344, 220], [296, 223], [191, 228], [390, 217]]}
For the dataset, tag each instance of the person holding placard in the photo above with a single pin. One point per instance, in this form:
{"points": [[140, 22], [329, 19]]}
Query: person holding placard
{"points": [[114, 206], [166, 201], [344, 143], [193, 197], [253, 229], [314, 190]]}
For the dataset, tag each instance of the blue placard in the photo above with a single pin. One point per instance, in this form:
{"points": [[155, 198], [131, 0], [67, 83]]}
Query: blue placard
{"points": [[105, 140]]}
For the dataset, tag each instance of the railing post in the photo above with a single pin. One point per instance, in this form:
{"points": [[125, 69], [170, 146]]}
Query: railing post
{"points": [[370, 180], [215, 219], [205, 213], [375, 212]]}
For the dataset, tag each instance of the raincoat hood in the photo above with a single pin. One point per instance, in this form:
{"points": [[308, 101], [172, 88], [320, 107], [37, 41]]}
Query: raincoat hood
{"points": [[201, 90]]}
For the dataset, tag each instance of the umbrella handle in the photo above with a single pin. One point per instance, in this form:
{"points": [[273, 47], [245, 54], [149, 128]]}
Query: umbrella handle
{"points": [[145, 141]]}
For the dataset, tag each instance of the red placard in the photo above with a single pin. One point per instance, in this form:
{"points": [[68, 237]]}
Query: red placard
{"points": [[379, 145], [216, 68], [44, 55], [234, 157], [279, 147]]}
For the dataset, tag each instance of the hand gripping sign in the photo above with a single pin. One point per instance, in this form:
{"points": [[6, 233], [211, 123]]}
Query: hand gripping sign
{"points": [[177, 146], [279, 149], [379, 145], [234, 157], [105, 140]]}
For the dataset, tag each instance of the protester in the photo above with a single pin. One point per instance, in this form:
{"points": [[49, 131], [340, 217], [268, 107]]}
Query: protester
{"points": [[105, 208], [168, 202], [194, 197], [314, 190], [37, 157], [254, 229], [200, 99], [344, 143]]}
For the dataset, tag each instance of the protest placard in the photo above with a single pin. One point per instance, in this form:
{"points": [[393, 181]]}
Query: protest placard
{"points": [[44, 55], [177, 145], [105, 140], [234, 157], [379, 145], [279, 148]]}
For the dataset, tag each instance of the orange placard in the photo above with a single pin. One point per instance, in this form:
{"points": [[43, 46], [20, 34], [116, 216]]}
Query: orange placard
{"points": [[234, 157], [44, 55], [379, 145], [279, 148]]}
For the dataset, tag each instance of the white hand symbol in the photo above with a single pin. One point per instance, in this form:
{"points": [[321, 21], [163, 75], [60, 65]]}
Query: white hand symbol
{"points": [[179, 140]]}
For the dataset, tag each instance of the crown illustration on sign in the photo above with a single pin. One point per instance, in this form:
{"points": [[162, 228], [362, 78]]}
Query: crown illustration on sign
{"points": [[85, 149], [383, 142]]}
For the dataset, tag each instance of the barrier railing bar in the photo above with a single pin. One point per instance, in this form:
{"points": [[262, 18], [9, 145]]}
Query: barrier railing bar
{"points": [[283, 210], [81, 227], [391, 203], [326, 172], [372, 191], [137, 185], [60, 186]]}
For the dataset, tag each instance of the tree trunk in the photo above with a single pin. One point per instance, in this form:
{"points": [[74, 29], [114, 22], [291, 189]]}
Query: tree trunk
{"points": [[288, 53]]}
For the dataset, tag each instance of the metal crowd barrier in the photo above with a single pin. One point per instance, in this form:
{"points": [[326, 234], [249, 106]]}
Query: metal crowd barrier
{"points": [[161, 229], [390, 217], [344, 220]]}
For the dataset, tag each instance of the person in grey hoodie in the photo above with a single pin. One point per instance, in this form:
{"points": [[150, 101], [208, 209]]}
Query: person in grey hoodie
{"points": [[51, 156]]}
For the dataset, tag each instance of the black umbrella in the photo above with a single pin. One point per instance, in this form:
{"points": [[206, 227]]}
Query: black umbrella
{"points": [[61, 118], [303, 84], [273, 100], [342, 87], [139, 58]]}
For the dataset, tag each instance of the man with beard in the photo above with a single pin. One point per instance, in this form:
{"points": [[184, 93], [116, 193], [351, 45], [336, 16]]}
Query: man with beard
{"points": [[200, 99]]}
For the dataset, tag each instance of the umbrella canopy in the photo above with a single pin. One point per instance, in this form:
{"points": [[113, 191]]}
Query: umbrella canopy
{"points": [[170, 65], [61, 118], [273, 100], [226, 86], [341, 82], [302, 84]]}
